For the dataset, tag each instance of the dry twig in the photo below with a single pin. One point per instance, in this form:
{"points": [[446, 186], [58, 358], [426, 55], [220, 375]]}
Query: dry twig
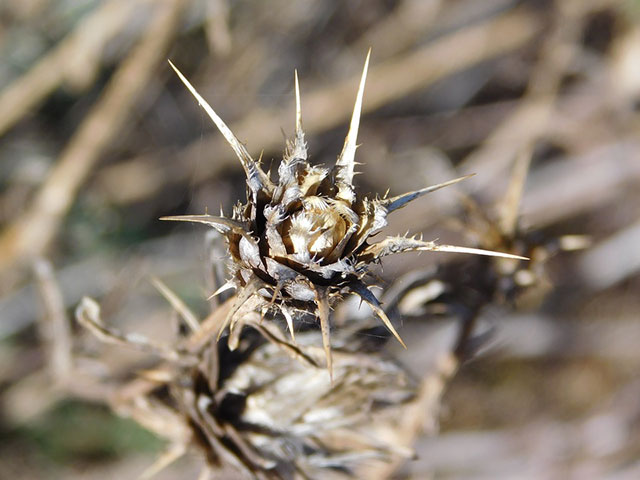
{"points": [[32, 233]]}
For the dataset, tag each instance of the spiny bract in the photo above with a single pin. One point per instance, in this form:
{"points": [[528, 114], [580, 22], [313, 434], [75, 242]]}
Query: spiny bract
{"points": [[301, 241]]}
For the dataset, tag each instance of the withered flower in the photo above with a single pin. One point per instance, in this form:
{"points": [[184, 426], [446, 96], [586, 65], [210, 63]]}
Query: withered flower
{"points": [[465, 288], [267, 409], [302, 241]]}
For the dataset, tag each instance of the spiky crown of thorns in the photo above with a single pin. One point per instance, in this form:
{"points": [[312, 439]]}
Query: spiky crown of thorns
{"points": [[300, 242]]}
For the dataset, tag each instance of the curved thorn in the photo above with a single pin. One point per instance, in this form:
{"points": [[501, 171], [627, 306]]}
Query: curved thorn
{"points": [[345, 163], [476, 251]]}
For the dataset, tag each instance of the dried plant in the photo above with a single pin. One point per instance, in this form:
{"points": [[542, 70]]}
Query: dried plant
{"points": [[556, 77], [465, 288], [267, 409], [252, 400], [302, 242]]}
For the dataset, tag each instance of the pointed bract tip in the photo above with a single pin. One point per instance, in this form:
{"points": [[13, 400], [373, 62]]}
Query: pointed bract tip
{"points": [[221, 224], [346, 160], [298, 107], [362, 291], [223, 288], [391, 328], [399, 201]]}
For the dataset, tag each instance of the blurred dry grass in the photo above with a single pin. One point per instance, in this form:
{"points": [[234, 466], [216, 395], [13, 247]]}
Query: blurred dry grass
{"points": [[99, 140]]}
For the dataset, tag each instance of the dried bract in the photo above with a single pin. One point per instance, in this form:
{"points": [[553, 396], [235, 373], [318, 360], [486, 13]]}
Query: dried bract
{"points": [[267, 409]]}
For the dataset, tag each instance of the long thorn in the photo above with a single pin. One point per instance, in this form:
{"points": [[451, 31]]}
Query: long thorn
{"points": [[400, 201], [365, 294], [346, 160], [249, 165], [322, 302], [298, 107], [289, 319]]}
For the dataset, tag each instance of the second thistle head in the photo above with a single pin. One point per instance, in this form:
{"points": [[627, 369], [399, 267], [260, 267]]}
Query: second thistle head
{"points": [[301, 241]]}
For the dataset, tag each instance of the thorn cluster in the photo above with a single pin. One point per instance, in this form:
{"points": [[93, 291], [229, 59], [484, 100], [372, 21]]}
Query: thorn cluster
{"points": [[302, 241]]}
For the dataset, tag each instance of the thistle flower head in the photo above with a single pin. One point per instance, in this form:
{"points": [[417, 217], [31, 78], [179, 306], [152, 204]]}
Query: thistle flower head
{"points": [[302, 240]]}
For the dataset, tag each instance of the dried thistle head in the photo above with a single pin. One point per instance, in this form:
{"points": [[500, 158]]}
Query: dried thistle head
{"points": [[464, 288], [509, 280], [267, 409], [301, 241], [296, 423]]}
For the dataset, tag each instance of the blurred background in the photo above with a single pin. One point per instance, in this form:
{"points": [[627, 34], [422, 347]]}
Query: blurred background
{"points": [[99, 139]]}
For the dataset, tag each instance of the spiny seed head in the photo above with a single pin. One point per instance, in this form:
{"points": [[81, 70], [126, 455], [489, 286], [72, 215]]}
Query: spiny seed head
{"points": [[301, 241]]}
